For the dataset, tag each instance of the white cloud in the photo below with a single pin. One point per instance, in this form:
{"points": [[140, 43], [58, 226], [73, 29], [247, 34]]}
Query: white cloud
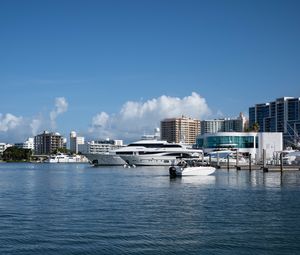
{"points": [[99, 121], [16, 129], [9, 122], [61, 106], [193, 106], [36, 125], [137, 118], [134, 119]]}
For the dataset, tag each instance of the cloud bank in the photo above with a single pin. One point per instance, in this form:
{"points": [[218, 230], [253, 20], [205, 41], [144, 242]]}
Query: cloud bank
{"points": [[18, 128], [138, 118], [9, 122], [134, 118]]}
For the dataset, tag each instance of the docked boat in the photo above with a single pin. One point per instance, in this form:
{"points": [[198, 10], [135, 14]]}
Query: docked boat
{"points": [[156, 153], [102, 153], [184, 169], [224, 157], [105, 159], [64, 158], [291, 157]]}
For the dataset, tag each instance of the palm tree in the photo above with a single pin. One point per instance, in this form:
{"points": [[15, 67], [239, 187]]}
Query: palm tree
{"points": [[255, 127]]}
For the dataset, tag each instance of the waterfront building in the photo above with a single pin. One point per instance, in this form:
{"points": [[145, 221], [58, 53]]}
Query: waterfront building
{"points": [[224, 125], [98, 147], [244, 142], [281, 115], [47, 142], [3, 147], [28, 144], [75, 142], [181, 129]]}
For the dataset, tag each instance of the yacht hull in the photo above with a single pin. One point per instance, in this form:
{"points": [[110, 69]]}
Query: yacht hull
{"points": [[105, 160], [139, 160]]}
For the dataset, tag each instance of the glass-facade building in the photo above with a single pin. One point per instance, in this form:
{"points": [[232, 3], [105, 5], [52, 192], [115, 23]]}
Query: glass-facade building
{"points": [[244, 142], [281, 115], [227, 142]]}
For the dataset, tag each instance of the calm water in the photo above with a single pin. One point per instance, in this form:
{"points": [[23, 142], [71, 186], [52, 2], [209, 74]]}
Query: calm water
{"points": [[78, 209]]}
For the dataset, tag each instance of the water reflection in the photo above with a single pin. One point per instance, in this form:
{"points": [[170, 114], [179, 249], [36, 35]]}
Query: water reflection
{"points": [[257, 178], [69, 209], [195, 180]]}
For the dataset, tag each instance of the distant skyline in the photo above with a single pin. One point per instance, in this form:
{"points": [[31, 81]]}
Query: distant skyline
{"points": [[116, 68]]}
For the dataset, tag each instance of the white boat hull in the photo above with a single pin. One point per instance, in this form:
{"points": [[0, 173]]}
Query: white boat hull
{"points": [[61, 158], [105, 160], [139, 160], [153, 160], [191, 171]]}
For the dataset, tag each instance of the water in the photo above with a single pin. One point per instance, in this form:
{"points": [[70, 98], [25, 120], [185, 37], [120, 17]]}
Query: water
{"points": [[79, 209]]}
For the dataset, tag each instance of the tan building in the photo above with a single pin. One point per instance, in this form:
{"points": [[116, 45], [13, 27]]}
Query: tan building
{"points": [[180, 130], [47, 143]]}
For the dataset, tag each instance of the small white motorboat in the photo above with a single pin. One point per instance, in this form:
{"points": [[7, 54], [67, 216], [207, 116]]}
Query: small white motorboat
{"points": [[185, 170]]}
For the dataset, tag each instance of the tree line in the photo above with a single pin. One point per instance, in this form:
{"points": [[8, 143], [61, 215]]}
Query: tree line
{"points": [[16, 154]]}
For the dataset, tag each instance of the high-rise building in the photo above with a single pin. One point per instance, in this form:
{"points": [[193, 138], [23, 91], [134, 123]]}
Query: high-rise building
{"points": [[47, 143], [180, 130], [224, 125], [281, 115], [75, 142], [212, 126]]}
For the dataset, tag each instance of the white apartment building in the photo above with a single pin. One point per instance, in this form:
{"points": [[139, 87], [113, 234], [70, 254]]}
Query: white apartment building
{"points": [[96, 147], [76, 142], [3, 147], [28, 144]]}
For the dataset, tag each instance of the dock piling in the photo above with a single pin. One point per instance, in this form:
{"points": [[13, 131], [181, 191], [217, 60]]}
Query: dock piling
{"points": [[237, 160], [281, 162], [228, 162], [250, 162]]}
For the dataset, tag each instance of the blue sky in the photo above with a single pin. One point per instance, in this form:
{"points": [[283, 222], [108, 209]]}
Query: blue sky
{"points": [[98, 55]]}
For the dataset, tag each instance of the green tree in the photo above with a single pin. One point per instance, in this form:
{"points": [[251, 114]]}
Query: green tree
{"points": [[61, 150], [255, 127], [16, 154]]}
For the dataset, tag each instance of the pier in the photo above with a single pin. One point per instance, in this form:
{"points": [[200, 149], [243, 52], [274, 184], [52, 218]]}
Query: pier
{"points": [[276, 166], [256, 167]]}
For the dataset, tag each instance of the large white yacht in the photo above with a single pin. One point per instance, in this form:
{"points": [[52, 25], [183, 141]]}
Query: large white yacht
{"points": [[105, 159], [156, 153], [102, 153]]}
